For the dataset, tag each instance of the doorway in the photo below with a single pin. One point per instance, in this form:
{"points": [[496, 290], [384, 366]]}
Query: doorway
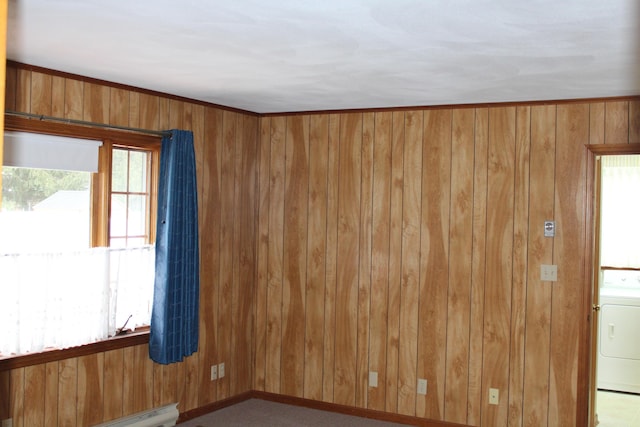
{"points": [[616, 347]]}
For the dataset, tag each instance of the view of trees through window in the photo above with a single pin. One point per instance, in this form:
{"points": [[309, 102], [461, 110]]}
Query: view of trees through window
{"points": [[44, 210], [24, 188]]}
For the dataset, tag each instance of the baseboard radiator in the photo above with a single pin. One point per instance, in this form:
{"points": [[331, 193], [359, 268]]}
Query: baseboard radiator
{"points": [[164, 416]]}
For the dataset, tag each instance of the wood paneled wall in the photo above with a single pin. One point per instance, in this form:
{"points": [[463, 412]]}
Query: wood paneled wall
{"points": [[409, 243], [88, 390], [406, 242]]}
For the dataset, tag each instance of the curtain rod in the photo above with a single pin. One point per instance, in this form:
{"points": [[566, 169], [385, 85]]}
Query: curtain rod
{"points": [[85, 123]]}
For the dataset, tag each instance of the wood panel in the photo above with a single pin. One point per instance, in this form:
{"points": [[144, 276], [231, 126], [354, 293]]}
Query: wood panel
{"points": [[34, 391], [331, 272], [395, 259], [224, 312], [275, 262], [538, 308], [90, 389], [570, 185], [316, 256], [499, 262], [114, 383], [616, 122], [210, 252], [634, 122], [520, 249], [262, 277], [381, 209], [478, 265], [364, 268], [242, 361], [460, 244], [434, 228], [295, 254], [347, 253]]}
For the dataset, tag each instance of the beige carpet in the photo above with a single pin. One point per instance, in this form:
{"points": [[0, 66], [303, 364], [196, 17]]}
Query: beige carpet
{"points": [[258, 413]]}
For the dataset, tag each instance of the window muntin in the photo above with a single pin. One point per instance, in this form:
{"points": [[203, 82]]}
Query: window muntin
{"points": [[130, 197]]}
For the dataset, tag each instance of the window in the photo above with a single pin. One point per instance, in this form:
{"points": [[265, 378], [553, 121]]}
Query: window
{"points": [[76, 239]]}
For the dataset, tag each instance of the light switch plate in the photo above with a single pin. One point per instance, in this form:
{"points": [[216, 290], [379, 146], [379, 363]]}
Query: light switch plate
{"points": [[422, 386], [549, 273]]}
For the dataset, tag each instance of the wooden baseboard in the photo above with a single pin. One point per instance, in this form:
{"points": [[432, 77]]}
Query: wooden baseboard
{"points": [[315, 404]]}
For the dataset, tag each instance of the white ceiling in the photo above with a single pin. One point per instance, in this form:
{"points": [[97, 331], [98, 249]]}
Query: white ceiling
{"points": [[304, 55]]}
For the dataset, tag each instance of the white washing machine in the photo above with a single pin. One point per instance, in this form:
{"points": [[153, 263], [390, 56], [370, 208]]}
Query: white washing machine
{"points": [[619, 339]]}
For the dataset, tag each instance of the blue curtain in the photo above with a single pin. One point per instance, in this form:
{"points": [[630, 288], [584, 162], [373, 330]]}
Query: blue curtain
{"points": [[174, 317]]}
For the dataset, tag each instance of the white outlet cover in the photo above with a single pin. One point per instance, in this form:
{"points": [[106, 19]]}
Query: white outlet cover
{"points": [[214, 372], [548, 273], [422, 386], [373, 379], [221, 370], [494, 396]]}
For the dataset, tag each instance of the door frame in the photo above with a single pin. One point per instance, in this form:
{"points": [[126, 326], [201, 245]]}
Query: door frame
{"points": [[587, 384]]}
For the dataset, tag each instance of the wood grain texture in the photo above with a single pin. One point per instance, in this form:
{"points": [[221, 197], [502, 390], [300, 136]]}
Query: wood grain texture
{"points": [[478, 265], [34, 392], [410, 272], [520, 249], [329, 358], [67, 392], [538, 309], [295, 254], [634, 122], [41, 94], [570, 199], [262, 277], [395, 259], [316, 256], [275, 263], [346, 304], [460, 268], [381, 209], [51, 394], [616, 122], [434, 229], [499, 261], [90, 383], [114, 383], [364, 268]]}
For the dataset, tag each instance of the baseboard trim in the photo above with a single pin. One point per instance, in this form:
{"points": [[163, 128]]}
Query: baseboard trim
{"points": [[315, 404]]}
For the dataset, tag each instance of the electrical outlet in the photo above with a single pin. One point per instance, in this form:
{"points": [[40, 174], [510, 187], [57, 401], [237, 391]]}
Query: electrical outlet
{"points": [[373, 379], [214, 372], [221, 370], [422, 386], [548, 273], [494, 396], [7, 423]]}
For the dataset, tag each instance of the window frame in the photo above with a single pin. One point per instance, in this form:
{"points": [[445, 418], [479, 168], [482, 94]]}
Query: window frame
{"points": [[100, 213]]}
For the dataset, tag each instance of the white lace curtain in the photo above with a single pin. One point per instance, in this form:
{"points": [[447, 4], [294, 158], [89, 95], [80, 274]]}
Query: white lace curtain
{"points": [[60, 300], [620, 212]]}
